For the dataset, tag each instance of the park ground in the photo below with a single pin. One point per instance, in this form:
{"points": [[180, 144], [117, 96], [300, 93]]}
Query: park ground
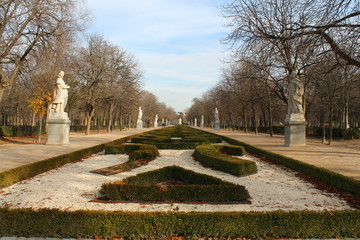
{"points": [[342, 156]]}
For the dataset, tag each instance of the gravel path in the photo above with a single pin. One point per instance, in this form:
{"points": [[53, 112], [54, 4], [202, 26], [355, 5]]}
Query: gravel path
{"points": [[72, 186]]}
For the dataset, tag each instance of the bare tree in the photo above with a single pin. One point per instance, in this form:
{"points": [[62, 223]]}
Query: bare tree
{"points": [[27, 25], [331, 22]]}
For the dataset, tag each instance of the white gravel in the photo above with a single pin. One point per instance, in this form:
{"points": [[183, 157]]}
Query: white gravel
{"points": [[72, 186]]}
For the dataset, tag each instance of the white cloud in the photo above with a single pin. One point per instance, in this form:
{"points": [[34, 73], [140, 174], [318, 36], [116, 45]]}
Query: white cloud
{"points": [[175, 41]]}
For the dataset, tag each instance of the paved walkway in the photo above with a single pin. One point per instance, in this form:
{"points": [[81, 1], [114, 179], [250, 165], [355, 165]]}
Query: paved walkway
{"points": [[342, 156], [13, 156]]}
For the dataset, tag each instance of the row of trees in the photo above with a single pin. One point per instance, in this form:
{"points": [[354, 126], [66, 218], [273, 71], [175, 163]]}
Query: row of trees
{"points": [[318, 40], [39, 39]]}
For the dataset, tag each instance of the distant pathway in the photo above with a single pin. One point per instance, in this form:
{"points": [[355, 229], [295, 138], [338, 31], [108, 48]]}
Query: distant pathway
{"points": [[13, 156], [339, 157]]}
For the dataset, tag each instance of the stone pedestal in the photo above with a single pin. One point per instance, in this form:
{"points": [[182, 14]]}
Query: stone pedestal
{"points": [[155, 124], [217, 125], [295, 130], [139, 124], [58, 128]]}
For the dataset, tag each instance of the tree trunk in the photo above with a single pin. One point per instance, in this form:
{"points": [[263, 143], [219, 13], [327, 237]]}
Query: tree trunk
{"points": [[40, 126], [33, 119], [323, 125], [270, 116], [331, 122], [110, 113], [255, 119], [244, 120], [88, 120]]}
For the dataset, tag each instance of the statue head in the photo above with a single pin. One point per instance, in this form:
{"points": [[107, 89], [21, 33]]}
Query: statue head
{"points": [[61, 74]]}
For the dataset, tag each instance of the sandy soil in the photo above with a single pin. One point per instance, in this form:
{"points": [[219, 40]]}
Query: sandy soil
{"points": [[72, 186]]}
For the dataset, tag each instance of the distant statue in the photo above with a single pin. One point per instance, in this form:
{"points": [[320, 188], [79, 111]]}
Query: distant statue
{"points": [[195, 122], [216, 115], [60, 94], [156, 121], [296, 92], [202, 121], [140, 114]]}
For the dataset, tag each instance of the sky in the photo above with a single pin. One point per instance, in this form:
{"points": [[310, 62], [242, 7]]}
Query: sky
{"points": [[176, 42]]}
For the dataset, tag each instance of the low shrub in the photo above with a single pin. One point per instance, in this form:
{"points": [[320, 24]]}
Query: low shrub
{"points": [[191, 225], [128, 148], [231, 149], [350, 134], [189, 138], [207, 155], [20, 131], [195, 188], [143, 154]]}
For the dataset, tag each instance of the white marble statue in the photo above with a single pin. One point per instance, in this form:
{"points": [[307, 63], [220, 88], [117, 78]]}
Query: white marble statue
{"points": [[60, 94], [156, 121], [216, 115], [202, 121], [140, 114], [217, 120], [195, 122], [139, 122], [296, 92], [180, 121]]}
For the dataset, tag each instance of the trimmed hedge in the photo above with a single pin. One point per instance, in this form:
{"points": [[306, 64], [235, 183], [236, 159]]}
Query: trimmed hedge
{"points": [[143, 154], [128, 148], [197, 188], [329, 177], [135, 151], [141, 225], [207, 155], [190, 138]]}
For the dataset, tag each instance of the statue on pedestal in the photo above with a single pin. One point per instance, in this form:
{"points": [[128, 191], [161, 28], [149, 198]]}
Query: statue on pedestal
{"points": [[295, 124], [60, 94], [58, 122]]}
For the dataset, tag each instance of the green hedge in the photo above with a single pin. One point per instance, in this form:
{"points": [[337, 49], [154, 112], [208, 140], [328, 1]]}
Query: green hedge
{"points": [[128, 148], [141, 225], [207, 155], [143, 154], [329, 177], [190, 138], [197, 188], [19, 131]]}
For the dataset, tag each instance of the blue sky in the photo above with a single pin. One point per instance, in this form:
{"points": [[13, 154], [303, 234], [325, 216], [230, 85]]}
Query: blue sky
{"points": [[176, 42]]}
